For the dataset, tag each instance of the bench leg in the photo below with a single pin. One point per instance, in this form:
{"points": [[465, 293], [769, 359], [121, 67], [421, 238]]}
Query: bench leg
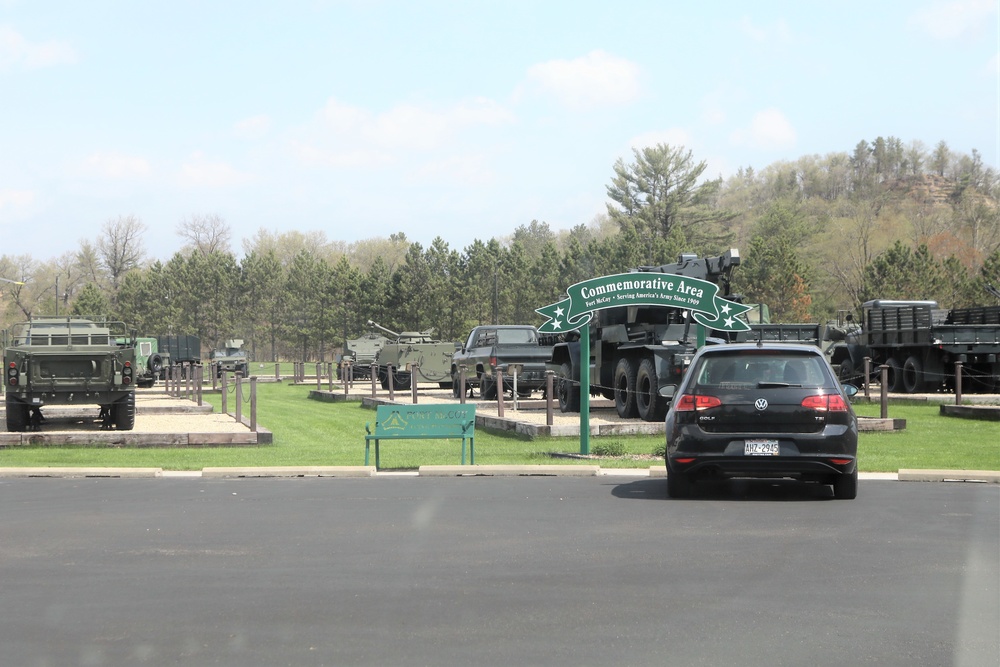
{"points": [[376, 455], [367, 444]]}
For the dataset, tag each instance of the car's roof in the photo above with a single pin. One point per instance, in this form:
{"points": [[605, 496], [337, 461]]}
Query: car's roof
{"points": [[799, 348]]}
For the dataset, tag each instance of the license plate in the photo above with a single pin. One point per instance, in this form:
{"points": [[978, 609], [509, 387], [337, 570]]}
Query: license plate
{"points": [[761, 447]]}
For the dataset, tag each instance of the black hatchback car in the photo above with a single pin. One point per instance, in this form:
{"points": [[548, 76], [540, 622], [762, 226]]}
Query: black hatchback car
{"points": [[762, 410]]}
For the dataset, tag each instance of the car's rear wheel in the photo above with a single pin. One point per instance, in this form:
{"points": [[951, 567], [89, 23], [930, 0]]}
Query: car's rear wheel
{"points": [[845, 487], [487, 388], [678, 485]]}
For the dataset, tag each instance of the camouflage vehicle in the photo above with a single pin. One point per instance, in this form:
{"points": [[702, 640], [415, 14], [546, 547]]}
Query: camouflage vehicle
{"points": [[414, 347], [68, 361], [231, 357], [148, 361], [362, 352]]}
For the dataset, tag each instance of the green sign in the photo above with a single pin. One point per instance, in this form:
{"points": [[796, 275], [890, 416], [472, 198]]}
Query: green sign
{"points": [[643, 289]]}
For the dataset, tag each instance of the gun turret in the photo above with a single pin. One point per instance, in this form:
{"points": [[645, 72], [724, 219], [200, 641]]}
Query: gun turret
{"points": [[713, 269]]}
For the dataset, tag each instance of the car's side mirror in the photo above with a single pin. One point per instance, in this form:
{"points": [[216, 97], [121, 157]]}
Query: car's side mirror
{"points": [[849, 389]]}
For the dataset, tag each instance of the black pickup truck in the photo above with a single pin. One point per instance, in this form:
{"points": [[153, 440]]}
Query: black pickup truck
{"points": [[492, 348]]}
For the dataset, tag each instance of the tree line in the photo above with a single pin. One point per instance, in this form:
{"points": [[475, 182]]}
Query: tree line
{"points": [[816, 236]]}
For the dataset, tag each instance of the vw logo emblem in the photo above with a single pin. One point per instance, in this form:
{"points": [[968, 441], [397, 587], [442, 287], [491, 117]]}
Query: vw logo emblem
{"points": [[760, 404]]}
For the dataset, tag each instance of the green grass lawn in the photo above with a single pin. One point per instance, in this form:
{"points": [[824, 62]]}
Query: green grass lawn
{"points": [[314, 433]]}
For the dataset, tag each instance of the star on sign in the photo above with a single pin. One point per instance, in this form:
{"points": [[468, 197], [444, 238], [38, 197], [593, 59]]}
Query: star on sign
{"points": [[729, 321], [556, 324], [725, 309], [559, 312]]}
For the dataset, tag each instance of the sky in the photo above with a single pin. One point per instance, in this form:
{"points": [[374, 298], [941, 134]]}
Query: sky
{"points": [[455, 119]]}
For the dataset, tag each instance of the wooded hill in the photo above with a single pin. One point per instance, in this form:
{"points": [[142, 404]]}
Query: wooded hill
{"points": [[816, 236]]}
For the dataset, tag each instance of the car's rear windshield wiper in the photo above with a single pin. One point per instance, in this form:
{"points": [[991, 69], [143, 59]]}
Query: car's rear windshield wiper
{"points": [[767, 384]]}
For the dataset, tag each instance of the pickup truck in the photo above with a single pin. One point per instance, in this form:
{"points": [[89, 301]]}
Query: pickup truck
{"points": [[494, 347]]}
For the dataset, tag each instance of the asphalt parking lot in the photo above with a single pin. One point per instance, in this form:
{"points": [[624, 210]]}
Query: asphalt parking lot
{"points": [[417, 570]]}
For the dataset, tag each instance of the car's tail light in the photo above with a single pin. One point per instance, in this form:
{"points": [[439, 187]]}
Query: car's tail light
{"points": [[127, 373], [840, 462], [13, 376], [691, 402], [825, 403]]}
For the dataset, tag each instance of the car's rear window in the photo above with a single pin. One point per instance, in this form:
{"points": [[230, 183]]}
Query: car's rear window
{"points": [[738, 370]]}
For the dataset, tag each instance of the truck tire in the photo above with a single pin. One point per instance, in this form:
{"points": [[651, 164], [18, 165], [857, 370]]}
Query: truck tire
{"points": [[487, 388], [567, 391], [625, 404], [651, 406], [123, 413], [913, 375], [894, 379], [17, 416], [155, 364], [847, 374]]}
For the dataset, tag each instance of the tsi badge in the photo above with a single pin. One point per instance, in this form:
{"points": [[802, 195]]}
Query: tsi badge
{"points": [[760, 404]]}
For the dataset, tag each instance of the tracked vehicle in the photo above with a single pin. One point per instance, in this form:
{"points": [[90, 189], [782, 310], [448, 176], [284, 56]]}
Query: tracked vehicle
{"points": [[432, 356]]}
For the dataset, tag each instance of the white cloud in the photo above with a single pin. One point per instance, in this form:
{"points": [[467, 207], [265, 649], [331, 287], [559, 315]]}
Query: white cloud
{"points": [[253, 127], [343, 135], [595, 80], [956, 19], [115, 166], [769, 130], [201, 172], [16, 51], [777, 32], [15, 202]]}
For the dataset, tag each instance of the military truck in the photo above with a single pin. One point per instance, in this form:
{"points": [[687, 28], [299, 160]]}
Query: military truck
{"points": [[154, 355], [361, 353], [920, 343], [230, 357], [148, 361], [432, 356], [494, 347], [638, 354], [68, 361]]}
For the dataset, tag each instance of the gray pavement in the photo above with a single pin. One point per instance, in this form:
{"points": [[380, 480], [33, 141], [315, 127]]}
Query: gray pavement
{"points": [[540, 570]]}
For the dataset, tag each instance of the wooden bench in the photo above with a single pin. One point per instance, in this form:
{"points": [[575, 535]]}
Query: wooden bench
{"points": [[423, 422]]}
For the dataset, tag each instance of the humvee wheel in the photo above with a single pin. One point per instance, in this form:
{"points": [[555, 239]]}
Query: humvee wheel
{"points": [[17, 416], [123, 413]]}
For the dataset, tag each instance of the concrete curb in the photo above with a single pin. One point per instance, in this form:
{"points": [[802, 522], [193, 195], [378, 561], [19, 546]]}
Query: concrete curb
{"points": [[658, 472], [987, 476], [66, 472], [291, 471]]}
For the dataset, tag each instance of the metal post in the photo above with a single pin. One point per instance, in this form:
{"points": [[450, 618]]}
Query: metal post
{"points": [[585, 389], [413, 381], [374, 373], [885, 390], [499, 378], [239, 399], [277, 371], [868, 371], [346, 383], [461, 384], [514, 369], [199, 384], [958, 382], [549, 383], [329, 377], [253, 404], [319, 377], [390, 371], [225, 392]]}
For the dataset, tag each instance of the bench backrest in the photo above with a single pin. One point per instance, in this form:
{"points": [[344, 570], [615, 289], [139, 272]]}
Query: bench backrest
{"points": [[425, 421]]}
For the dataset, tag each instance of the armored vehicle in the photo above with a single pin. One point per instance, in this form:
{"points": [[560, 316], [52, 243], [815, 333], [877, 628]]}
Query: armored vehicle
{"points": [[148, 361], [362, 352], [68, 361], [231, 357], [432, 356]]}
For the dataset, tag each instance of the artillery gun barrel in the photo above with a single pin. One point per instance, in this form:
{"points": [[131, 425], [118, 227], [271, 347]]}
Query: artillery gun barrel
{"points": [[373, 323]]}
